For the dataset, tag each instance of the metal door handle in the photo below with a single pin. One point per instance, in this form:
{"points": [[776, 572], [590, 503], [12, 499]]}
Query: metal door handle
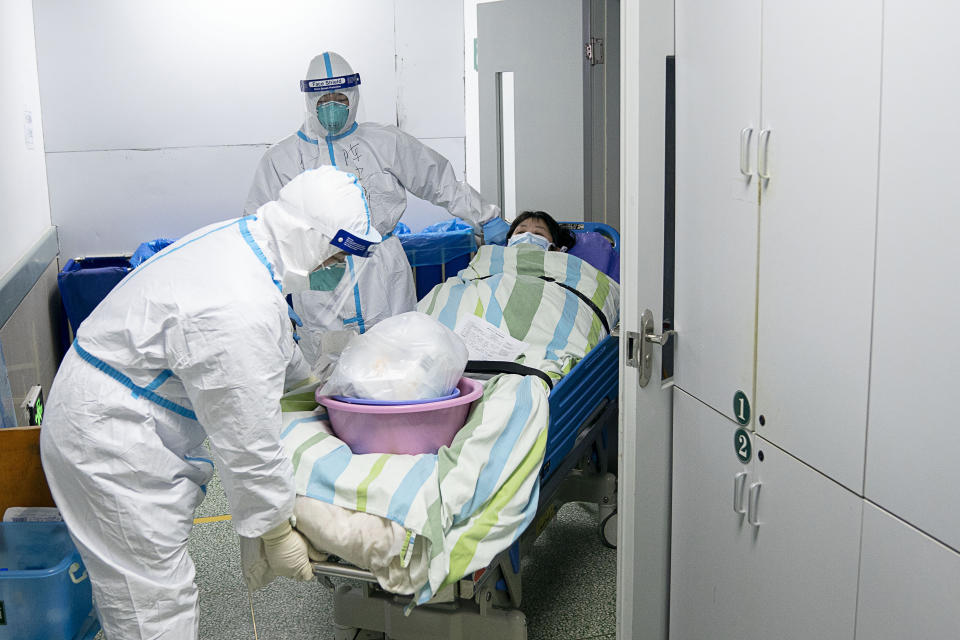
{"points": [[745, 134], [763, 142], [739, 481], [639, 351], [659, 338], [753, 504]]}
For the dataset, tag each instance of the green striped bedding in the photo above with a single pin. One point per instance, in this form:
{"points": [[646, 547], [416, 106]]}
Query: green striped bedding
{"points": [[472, 499]]}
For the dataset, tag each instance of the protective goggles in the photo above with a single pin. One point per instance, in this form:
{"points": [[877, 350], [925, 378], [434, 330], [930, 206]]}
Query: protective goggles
{"points": [[354, 245], [330, 84]]}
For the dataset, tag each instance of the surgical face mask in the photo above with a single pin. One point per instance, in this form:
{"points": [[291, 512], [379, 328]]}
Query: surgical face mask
{"points": [[332, 115], [530, 238], [327, 278]]}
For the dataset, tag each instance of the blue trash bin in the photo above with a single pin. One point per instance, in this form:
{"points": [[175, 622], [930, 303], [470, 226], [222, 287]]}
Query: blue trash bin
{"points": [[438, 252], [44, 587], [84, 282]]}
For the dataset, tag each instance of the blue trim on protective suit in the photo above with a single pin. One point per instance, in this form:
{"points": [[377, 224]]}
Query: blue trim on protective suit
{"points": [[148, 391], [209, 462], [173, 249], [245, 232], [333, 158], [159, 380], [127, 382], [326, 61], [366, 207], [306, 138], [358, 319]]}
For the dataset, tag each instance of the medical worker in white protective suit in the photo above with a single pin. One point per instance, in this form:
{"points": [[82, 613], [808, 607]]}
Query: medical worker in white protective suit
{"points": [[389, 163], [193, 344]]}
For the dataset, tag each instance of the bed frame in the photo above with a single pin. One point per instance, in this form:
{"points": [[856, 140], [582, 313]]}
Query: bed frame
{"points": [[581, 438]]}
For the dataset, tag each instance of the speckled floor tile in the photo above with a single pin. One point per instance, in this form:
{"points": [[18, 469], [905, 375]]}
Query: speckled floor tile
{"points": [[570, 580], [569, 584]]}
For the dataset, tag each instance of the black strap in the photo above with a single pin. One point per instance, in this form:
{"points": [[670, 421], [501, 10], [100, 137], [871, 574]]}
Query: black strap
{"points": [[596, 310], [503, 366], [590, 303]]}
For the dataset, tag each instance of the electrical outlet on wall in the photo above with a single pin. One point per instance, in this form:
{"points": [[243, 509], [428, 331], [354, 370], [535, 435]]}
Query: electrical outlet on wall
{"points": [[28, 129]]}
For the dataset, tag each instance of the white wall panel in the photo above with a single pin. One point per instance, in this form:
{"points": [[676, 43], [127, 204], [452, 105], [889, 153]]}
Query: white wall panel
{"points": [[25, 214], [430, 68], [913, 442], [122, 75], [159, 112], [108, 202], [909, 583]]}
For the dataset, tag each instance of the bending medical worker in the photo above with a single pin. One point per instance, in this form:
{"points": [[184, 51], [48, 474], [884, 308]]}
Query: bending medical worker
{"points": [[389, 163], [191, 345]]}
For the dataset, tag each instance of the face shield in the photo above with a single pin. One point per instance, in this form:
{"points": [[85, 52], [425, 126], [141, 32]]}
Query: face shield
{"points": [[332, 95]]}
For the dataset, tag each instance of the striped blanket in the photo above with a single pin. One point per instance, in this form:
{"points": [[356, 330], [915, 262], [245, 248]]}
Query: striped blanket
{"points": [[462, 506]]}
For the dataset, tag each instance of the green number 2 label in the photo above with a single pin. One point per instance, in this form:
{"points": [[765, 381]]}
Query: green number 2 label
{"points": [[741, 407], [742, 445]]}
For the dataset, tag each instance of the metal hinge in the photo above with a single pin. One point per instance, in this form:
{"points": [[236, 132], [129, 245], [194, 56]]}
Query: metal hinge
{"points": [[593, 50]]}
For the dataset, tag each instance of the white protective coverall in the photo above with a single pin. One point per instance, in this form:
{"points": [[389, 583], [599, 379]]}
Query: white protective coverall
{"points": [[193, 344], [389, 163]]}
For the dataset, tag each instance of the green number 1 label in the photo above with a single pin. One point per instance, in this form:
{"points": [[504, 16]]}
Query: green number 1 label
{"points": [[741, 407]]}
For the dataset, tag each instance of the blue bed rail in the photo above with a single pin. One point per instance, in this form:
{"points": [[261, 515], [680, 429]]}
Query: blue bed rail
{"points": [[591, 384], [442, 250]]}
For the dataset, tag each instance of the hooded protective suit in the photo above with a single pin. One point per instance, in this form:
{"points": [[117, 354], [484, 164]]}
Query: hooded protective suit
{"points": [[191, 345], [389, 163]]}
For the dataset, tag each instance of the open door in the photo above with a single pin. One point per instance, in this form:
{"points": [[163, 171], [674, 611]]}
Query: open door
{"points": [[643, 562], [549, 107]]}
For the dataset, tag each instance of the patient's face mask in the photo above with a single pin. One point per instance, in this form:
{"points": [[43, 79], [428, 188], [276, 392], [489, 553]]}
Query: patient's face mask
{"points": [[332, 115], [327, 278], [530, 238]]}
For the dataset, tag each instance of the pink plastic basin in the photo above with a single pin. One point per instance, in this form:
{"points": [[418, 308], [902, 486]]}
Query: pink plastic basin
{"points": [[401, 428]]}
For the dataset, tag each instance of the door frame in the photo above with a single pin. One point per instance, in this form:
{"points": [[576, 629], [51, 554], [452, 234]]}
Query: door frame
{"points": [[645, 465]]}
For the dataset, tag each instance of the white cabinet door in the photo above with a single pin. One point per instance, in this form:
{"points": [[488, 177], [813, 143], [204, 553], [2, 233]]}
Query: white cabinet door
{"points": [[909, 583], [713, 575], [821, 105], [913, 441], [792, 575], [807, 548], [717, 96]]}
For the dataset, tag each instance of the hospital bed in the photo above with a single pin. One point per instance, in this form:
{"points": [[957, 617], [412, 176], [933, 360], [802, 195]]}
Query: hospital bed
{"points": [[580, 439]]}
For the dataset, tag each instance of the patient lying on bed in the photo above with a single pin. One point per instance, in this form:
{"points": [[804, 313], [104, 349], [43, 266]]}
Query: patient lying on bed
{"points": [[421, 522]]}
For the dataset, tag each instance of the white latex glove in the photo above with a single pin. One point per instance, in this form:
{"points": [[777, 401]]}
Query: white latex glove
{"points": [[288, 552]]}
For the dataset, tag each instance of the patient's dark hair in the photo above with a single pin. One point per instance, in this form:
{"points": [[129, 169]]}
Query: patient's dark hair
{"points": [[561, 237]]}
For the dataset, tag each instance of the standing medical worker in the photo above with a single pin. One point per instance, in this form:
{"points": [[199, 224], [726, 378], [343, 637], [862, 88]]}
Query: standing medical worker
{"points": [[389, 163], [192, 345]]}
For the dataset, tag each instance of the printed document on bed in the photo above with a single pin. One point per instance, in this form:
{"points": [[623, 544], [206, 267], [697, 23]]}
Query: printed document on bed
{"points": [[486, 341]]}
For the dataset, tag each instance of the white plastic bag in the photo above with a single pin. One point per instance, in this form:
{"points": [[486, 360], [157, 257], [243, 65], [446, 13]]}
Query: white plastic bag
{"points": [[407, 357]]}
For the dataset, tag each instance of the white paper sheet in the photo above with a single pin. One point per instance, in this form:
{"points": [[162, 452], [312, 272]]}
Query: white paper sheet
{"points": [[487, 342]]}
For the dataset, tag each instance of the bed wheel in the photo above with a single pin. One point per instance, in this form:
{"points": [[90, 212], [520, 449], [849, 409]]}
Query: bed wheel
{"points": [[608, 530]]}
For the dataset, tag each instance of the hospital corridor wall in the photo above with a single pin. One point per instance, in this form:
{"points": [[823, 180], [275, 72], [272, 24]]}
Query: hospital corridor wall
{"points": [[815, 443], [156, 114], [28, 293]]}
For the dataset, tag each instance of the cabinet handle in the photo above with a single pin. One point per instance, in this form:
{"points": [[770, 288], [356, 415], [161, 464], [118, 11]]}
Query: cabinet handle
{"points": [[739, 481], [763, 142], [752, 504], [745, 134]]}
